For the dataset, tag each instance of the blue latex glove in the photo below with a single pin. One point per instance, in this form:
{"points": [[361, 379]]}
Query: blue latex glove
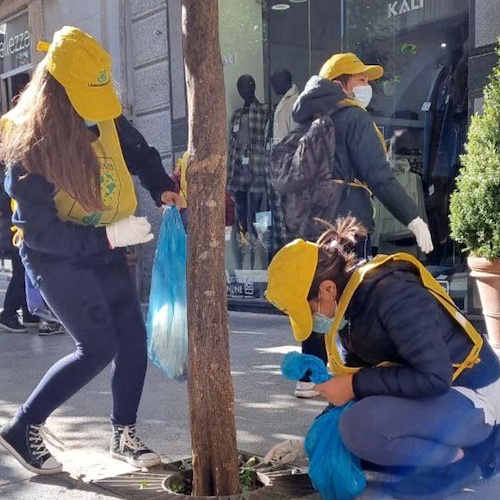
{"points": [[295, 366]]}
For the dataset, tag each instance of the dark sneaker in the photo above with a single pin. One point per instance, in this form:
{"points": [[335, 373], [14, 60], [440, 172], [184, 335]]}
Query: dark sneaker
{"points": [[48, 329], [437, 483], [126, 446], [11, 325], [26, 444]]}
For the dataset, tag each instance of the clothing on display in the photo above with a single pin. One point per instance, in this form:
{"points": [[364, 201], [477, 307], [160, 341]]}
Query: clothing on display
{"points": [[386, 226], [283, 121], [248, 172], [445, 134], [246, 165]]}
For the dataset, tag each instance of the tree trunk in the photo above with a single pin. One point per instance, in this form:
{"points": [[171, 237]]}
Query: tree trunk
{"points": [[211, 396]]}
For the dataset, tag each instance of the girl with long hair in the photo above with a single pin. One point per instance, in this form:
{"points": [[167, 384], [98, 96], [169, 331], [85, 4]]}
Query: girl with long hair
{"points": [[70, 154]]}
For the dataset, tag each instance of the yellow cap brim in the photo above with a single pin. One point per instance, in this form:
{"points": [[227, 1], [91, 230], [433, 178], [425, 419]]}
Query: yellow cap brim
{"points": [[96, 105], [374, 72], [290, 276], [302, 322]]}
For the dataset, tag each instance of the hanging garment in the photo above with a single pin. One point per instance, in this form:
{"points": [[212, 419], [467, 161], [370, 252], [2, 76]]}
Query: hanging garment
{"points": [[283, 121], [387, 227], [246, 169], [433, 118]]}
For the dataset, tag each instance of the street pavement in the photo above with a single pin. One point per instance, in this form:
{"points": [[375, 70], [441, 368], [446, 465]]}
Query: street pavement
{"points": [[266, 411]]}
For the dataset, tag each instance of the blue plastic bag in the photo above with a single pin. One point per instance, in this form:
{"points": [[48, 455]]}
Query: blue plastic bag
{"points": [[167, 315], [334, 471], [36, 304]]}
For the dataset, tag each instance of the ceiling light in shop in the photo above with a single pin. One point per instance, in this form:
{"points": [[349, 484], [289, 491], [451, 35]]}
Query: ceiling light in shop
{"points": [[443, 45], [298, 1], [280, 6]]}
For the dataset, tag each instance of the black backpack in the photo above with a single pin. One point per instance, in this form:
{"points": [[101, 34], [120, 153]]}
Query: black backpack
{"points": [[302, 173]]}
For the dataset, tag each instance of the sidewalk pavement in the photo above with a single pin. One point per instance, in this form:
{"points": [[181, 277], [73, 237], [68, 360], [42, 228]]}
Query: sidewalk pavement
{"points": [[266, 411]]}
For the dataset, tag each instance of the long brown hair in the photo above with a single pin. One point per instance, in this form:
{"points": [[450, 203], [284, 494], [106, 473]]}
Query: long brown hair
{"points": [[50, 139], [336, 255]]}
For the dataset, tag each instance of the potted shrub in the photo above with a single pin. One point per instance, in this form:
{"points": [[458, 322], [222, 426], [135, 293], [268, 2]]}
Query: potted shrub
{"points": [[475, 205]]}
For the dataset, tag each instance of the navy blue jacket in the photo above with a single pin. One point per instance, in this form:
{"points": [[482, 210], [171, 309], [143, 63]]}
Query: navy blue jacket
{"points": [[358, 153], [394, 318], [48, 237]]}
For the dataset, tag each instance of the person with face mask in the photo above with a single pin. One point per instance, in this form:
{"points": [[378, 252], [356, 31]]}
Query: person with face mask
{"points": [[70, 156], [342, 91], [425, 385]]}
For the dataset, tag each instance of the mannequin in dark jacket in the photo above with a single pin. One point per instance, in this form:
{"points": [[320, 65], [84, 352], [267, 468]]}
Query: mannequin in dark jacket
{"points": [[417, 412]]}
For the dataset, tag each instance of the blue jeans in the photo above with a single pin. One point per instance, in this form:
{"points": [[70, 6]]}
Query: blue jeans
{"points": [[96, 300], [399, 432]]}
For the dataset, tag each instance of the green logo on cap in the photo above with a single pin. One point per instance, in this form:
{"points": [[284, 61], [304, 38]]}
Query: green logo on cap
{"points": [[103, 77]]}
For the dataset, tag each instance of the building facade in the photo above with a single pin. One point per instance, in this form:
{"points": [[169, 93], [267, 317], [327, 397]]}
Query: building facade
{"points": [[437, 55]]}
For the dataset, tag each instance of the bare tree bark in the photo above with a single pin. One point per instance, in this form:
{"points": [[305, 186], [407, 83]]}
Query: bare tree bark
{"points": [[211, 396]]}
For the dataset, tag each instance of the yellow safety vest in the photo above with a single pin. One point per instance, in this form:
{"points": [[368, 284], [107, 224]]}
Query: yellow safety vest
{"points": [[357, 183], [117, 186], [430, 283]]}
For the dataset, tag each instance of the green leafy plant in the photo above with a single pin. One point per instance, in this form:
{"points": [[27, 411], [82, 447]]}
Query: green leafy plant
{"points": [[475, 205], [249, 479]]}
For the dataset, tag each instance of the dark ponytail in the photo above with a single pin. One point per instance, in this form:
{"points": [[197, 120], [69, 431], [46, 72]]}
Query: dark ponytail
{"points": [[336, 252]]}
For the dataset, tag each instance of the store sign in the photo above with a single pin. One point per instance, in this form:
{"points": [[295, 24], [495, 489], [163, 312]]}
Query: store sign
{"points": [[396, 9], [14, 44], [238, 286]]}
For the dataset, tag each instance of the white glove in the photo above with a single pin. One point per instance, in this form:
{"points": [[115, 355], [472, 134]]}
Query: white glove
{"points": [[421, 231], [130, 231], [286, 452]]}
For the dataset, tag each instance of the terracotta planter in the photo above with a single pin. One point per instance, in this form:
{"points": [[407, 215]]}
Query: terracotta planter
{"points": [[487, 275]]}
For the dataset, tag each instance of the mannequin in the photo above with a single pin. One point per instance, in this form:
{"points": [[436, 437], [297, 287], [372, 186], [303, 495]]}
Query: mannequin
{"points": [[445, 136], [247, 171], [282, 83]]}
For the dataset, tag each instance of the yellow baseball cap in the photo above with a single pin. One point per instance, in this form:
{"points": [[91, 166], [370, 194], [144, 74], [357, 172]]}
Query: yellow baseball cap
{"points": [[349, 64], [291, 274], [80, 64]]}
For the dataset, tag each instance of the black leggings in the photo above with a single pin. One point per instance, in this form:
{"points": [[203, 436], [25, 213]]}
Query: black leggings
{"points": [[99, 306]]}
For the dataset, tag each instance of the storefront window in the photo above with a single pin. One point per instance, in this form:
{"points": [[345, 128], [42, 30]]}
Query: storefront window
{"points": [[420, 106], [259, 39], [15, 58]]}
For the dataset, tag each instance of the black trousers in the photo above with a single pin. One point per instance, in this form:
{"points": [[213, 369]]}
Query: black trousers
{"points": [[315, 344], [15, 297]]}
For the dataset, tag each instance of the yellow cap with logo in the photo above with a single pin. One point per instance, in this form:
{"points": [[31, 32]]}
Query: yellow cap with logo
{"points": [[349, 64], [291, 274], [80, 64]]}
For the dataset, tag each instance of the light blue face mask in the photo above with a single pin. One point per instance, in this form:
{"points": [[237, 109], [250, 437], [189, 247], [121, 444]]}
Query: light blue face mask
{"points": [[90, 124], [321, 323]]}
